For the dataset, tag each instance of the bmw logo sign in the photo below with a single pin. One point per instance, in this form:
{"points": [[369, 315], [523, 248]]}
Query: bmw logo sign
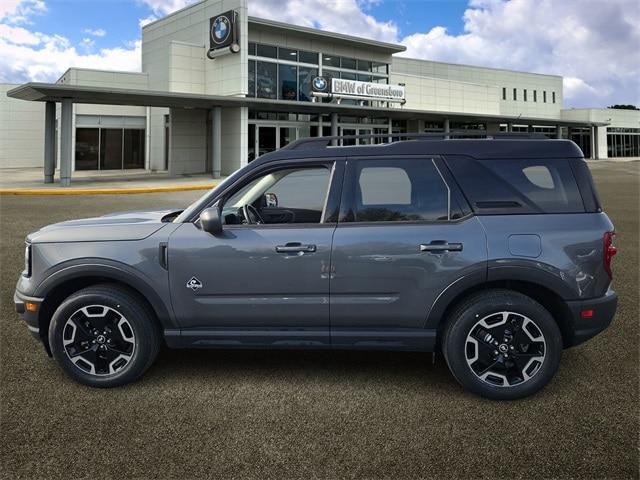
{"points": [[320, 84], [220, 30]]}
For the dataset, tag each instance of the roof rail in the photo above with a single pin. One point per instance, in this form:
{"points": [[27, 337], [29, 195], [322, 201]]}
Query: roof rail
{"points": [[324, 142]]}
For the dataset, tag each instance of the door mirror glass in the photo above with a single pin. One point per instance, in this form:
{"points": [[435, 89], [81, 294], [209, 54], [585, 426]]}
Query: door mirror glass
{"points": [[270, 199], [210, 220]]}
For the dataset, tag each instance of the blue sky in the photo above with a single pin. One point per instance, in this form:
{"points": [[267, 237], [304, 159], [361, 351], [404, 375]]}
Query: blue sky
{"points": [[120, 18], [593, 44]]}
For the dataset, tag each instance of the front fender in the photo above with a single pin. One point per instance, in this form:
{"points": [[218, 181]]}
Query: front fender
{"points": [[114, 271]]}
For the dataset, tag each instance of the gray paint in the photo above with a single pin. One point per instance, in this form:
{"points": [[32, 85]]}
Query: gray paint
{"points": [[367, 285]]}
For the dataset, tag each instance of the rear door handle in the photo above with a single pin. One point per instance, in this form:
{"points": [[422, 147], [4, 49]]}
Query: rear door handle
{"points": [[440, 246], [295, 247]]}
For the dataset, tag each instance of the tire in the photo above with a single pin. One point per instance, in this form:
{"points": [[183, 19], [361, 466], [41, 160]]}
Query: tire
{"points": [[104, 336], [528, 354]]}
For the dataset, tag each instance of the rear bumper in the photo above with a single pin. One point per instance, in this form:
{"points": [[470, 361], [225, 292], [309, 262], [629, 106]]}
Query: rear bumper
{"points": [[604, 309]]}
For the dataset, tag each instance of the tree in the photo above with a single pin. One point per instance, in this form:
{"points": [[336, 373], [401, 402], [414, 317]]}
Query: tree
{"points": [[624, 107]]}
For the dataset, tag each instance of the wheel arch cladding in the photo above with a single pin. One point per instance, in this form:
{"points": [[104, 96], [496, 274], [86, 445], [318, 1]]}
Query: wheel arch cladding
{"points": [[56, 290], [549, 299]]}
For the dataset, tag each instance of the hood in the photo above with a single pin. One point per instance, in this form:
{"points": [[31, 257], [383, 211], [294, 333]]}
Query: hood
{"points": [[134, 225]]}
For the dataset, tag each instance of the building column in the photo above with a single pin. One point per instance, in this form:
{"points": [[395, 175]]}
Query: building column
{"points": [[530, 128], [447, 128], [320, 128], [216, 141], [334, 128], [66, 141], [592, 139], [510, 127], [49, 141], [558, 131], [601, 140]]}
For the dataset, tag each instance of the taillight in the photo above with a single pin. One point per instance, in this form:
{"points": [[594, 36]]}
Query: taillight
{"points": [[609, 251]]}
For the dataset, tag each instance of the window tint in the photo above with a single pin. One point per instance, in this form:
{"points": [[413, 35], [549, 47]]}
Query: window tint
{"points": [[266, 79], [398, 190], [294, 195], [308, 57], [304, 189], [266, 51], [549, 184], [517, 186]]}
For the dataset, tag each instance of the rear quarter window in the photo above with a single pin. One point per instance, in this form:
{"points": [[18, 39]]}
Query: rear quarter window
{"points": [[518, 185]]}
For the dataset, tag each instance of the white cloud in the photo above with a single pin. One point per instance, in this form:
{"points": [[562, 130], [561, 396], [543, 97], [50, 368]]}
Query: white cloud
{"points": [[98, 32], [19, 35], [34, 56], [593, 44], [343, 16], [54, 55], [164, 7], [147, 20], [19, 11]]}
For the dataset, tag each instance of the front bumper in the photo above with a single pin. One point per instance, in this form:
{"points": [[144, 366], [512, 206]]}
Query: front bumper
{"points": [[604, 309], [31, 317]]}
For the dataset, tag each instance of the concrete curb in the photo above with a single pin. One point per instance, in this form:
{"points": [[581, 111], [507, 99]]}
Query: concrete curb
{"points": [[101, 191]]}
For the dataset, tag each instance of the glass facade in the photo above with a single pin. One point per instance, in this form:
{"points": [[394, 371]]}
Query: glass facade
{"points": [[286, 74], [623, 142], [109, 148]]}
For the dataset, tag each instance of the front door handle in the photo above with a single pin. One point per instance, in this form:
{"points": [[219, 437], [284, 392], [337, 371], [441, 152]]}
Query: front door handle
{"points": [[295, 247], [440, 246]]}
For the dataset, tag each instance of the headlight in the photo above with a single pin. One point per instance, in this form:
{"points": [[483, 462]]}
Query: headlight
{"points": [[27, 260]]}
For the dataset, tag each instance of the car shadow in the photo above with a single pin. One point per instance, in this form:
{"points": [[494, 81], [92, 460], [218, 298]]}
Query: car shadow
{"points": [[329, 365]]}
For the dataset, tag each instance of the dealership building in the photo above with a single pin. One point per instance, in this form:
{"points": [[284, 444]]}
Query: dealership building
{"points": [[218, 88]]}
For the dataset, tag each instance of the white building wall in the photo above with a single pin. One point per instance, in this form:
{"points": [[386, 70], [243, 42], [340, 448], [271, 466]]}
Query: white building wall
{"points": [[188, 141], [234, 138], [185, 34], [428, 93], [21, 131], [495, 78]]}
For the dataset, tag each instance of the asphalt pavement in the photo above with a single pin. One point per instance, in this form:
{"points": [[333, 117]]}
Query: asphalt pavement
{"points": [[315, 414]]}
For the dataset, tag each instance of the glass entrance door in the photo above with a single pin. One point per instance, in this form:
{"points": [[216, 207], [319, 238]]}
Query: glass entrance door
{"points": [[267, 139]]}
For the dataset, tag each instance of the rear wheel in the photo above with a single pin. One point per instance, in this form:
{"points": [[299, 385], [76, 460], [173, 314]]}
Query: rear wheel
{"points": [[104, 336], [502, 345]]}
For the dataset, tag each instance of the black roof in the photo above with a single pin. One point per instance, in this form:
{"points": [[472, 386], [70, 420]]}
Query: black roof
{"points": [[476, 148]]}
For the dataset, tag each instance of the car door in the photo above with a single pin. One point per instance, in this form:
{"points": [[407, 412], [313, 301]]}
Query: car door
{"points": [[402, 239], [260, 284]]}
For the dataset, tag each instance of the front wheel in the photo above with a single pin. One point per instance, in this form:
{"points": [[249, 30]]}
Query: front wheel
{"points": [[104, 336], [502, 345]]}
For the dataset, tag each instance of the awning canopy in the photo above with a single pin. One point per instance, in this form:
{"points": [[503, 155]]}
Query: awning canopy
{"points": [[53, 92]]}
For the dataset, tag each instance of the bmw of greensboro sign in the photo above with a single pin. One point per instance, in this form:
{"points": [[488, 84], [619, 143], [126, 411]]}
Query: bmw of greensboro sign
{"points": [[366, 89]]}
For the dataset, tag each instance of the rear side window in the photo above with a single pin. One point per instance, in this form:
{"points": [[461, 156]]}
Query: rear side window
{"points": [[519, 185], [397, 190]]}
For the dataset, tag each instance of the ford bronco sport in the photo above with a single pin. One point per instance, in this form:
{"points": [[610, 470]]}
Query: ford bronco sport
{"points": [[495, 252]]}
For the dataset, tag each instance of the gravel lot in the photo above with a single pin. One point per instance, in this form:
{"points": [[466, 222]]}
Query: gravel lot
{"points": [[242, 414]]}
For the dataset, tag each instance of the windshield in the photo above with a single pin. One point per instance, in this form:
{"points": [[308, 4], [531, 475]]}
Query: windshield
{"points": [[204, 199]]}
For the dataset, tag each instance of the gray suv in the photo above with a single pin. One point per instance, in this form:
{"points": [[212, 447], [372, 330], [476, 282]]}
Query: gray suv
{"points": [[494, 252]]}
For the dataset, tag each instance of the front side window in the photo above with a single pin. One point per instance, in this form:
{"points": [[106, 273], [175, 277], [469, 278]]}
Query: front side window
{"points": [[398, 190], [293, 195]]}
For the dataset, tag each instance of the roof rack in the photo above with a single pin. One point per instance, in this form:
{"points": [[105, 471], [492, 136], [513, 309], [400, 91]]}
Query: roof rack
{"points": [[328, 141]]}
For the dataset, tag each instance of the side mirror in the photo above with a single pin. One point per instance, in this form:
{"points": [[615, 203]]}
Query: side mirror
{"points": [[270, 199], [210, 220]]}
